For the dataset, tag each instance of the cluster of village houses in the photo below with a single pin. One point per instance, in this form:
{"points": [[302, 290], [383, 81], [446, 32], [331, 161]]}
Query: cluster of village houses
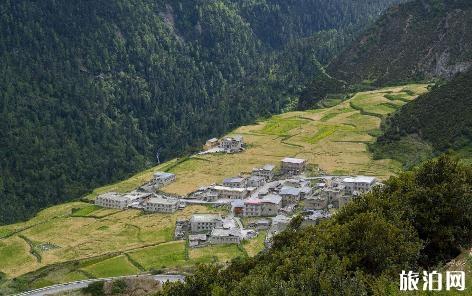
{"points": [[268, 194]]}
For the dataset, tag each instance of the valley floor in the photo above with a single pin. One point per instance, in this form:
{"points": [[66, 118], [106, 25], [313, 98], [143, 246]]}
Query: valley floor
{"points": [[77, 240]]}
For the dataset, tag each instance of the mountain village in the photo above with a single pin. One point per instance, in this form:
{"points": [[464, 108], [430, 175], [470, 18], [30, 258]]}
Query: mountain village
{"points": [[266, 199]]}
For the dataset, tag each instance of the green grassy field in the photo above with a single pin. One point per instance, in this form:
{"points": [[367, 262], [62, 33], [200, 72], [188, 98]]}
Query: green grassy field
{"points": [[254, 246], [336, 139], [167, 255], [115, 266], [216, 253], [124, 242], [83, 237]]}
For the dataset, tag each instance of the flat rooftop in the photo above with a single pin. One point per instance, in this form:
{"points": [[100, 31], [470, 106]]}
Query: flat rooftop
{"points": [[225, 188], [286, 190], [293, 160], [271, 198], [360, 179], [219, 232], [162, 175], [234, 180], [162, 200], [205, 218]]}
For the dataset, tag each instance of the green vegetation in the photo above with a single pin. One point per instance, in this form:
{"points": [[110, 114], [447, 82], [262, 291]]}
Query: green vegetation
{"points": [[416, 41], [91, 91], [167, 255], [418, 220], [256, 245], [281, 126], [57, 236], [335, 139], [434, 123], [77, 240], [85, 211], [216, 254], [115, 266], [94, 289]]}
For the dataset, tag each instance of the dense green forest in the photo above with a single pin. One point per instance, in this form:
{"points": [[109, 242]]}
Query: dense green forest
{"points": [[417, 221], [436, 122], [90, 90], [418, 40]]}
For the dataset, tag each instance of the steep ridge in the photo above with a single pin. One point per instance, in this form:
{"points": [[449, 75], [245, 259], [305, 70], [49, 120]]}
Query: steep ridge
{"points": [[436, 122], [418, 40]]}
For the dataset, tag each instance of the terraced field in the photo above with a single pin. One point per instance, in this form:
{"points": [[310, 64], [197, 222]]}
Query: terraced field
{"points": [[334, 138], [77, 240], [58, 235]]}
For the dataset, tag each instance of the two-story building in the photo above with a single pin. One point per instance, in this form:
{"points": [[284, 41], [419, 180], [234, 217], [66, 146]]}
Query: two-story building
{"points": [[255, 181], [358, 184], [220, 236], [267, 172], [112, 200], [266, 206], [232, 144], [161, 179], [290, 195], [225, 192], [235, 182], [293, 166], [205, 222], [315, 203], [161, 204]]}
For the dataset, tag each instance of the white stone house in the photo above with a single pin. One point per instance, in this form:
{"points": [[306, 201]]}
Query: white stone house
{"points": [[267, 172], [161, 179], [205, 222], [315, 203], [267, 206], [359, 184], [161, 204], [225, 192], [255, 181], [135, 198], [112, 200], [220, 236], [235, 182], [290, 195], [232, 144], [293, 165], [279, 223]]}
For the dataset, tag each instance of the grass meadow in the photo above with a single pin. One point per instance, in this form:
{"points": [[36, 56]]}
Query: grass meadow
{"points": [[92, 242]]}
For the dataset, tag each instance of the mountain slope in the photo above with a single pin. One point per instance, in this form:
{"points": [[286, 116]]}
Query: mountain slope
{"points": [[89, 91], [333, 139], [436, 122], [418, 40]]}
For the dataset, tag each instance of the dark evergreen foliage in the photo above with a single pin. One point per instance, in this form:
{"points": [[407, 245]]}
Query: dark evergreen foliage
{"points": [[89, 90], [442, 117], [420, 219], [418, 40]]}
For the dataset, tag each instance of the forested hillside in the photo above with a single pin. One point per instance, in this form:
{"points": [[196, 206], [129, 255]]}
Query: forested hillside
{"points": [[418, 40], [435, 122], [418, 220], [90, 90]]}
